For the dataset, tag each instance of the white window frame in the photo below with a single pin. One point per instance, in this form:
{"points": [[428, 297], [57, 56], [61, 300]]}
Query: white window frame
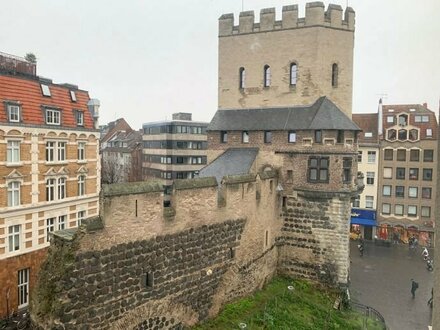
{"points": [[61, 151], [429, 132], [45, 90], [368, 134], [73, 96], [13, 152], [61, 188], [291, 138], [53, 117], [390, 119], [371, 157], [369, 202], [81, 215], [14, 193], [13, 113], [81, 151], [81, 185], [62, 222], [14, 238], [23, 287], [50, 189], [80, 118], [50, 151], [50, 227]]}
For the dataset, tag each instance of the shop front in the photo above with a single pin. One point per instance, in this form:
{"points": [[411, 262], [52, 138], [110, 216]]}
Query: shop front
{"points": [[363, 223], [401, 233]]}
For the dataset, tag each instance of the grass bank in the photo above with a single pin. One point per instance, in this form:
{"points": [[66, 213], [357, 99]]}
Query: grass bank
{"points": [[304, 306]]}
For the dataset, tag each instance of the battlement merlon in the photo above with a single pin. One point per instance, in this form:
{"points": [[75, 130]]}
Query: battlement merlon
{"points": [[316, 15]]}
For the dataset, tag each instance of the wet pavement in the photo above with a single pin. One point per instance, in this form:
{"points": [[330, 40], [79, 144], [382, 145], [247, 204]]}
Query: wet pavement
{"points": [[382, 280]]}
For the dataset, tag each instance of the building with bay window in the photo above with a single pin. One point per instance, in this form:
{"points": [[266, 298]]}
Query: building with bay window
{"points": [[49, 170], [407, 173]]}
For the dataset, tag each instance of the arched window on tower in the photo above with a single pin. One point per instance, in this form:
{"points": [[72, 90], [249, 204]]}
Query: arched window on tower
{"points": [[242, 77], [267, 76], [335, 75], [293, 74]]}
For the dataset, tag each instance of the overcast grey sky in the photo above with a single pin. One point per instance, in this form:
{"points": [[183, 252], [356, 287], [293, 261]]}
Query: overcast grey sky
{"points": [[145, 59]]}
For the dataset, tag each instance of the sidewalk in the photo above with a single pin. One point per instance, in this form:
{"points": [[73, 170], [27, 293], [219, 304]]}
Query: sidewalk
{"points": [[382, 280]]}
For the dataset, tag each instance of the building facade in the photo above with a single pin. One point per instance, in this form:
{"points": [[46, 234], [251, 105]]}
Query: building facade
{"points": [[363, 215], [174, 149], [408, 173], [121, 153], [293, 61], [49, 171]]}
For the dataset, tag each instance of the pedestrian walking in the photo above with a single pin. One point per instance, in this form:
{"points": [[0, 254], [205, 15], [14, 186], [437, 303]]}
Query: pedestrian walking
{"points": [[414, 287], [431, 299]]}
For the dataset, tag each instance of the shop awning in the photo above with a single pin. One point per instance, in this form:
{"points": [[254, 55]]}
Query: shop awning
{"points": [[363, 221]]}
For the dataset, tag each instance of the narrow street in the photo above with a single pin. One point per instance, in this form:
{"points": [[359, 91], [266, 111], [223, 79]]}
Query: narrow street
{"points": [[382, 280]]}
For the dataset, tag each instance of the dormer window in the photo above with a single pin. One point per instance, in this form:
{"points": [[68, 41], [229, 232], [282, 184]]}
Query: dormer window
{"points": [[13, 113], [79, 118], [45, 90], [73, 96], [403, 120], [53, 117]]}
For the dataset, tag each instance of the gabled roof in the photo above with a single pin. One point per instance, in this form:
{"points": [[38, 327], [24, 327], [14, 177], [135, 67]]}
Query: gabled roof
{"points": [[27, 92], [323, 114], [368, 122], [232, 162]]}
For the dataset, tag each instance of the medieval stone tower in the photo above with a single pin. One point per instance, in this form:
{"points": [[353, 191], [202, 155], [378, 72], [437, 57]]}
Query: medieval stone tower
{"points": [[289, 62]]}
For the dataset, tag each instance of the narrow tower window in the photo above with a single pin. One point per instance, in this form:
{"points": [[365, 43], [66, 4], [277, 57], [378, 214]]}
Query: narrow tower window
{"points": [[242, 74], [293, 74], [335, 75], [267, 76]]}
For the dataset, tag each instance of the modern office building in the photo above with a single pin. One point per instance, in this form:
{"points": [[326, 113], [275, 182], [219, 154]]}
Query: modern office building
{"points": [[174, 149], [49, 171], [408, 162]]}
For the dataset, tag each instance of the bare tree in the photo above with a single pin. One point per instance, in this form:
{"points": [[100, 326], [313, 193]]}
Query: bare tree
{"points": [[114, 169]]}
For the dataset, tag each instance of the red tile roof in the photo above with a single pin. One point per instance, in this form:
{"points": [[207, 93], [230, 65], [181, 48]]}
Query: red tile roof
{"points": [[368, 123], [27, 92]]}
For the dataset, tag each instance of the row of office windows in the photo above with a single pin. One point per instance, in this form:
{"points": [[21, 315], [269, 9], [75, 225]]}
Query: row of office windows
{"points": [[55, 190], [399, 155], [291, 136], [413, 173], [184, 160], [15, 232], [168, 175], [171, 144], [267, 75], [413, 192], [51, 116], [411, 210], [414, 155], [55, 151], [175, 129]]}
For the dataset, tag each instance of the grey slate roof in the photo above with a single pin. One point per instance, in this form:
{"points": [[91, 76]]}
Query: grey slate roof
{"points": [[232, 161], [323, 114]]}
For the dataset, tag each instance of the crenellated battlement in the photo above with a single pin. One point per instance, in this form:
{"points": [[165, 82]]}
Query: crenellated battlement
{"points": [[316, 15]]}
